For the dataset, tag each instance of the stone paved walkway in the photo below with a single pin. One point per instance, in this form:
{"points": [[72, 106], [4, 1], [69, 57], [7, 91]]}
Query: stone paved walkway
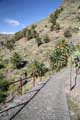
{"points": [[50, 103]]}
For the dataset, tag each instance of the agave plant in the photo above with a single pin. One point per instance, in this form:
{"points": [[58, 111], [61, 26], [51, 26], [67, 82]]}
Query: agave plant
{"points": [[59, 57], [65, 46]]}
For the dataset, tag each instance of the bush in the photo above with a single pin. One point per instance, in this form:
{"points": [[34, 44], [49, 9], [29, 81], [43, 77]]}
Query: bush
{"points": [[2, 43], [18, 35], [16, 58], [57, 27], [53, 17], [2, 66], [46, 26], [46, 39], [3, 96], [58, 11], [4, 86], [67, 33], [52, 27], [31, 33], [39, 41], [2, 76], [33, 26], [10, 44], [79, 7], [25, 32], [59, 57], [39, 68]]}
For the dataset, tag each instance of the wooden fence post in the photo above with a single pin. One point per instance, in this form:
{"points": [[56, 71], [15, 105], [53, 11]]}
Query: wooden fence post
{"points": [[71, 74], [34, 81], [21, 86]]}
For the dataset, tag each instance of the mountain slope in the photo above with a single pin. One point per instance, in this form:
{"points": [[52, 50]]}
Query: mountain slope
{"points": [[68, 20]]}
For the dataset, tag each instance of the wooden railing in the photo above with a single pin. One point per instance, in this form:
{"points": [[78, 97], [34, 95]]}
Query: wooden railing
{"points": [[77, 72], [11, 112]]}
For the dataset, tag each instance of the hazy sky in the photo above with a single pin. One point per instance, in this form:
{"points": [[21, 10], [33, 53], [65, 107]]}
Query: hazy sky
{"points": [[16, 14]]}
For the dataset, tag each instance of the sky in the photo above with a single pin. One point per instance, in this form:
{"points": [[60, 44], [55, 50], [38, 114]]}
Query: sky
{"points": [[17, 14]]}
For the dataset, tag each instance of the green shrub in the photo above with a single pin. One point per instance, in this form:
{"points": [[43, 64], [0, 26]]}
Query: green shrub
{"points": [[39, 41], [2, 66], [52, 27], [33, 26], [2, 76], [25, 32], [16, 58], [46, 39], [10, 44], [57, 27], [59, 57], [46, 26], [57, 12], [53, 17], [38, 68], [4, 86], [3, 96], [41, 69], [31, 33], [79, 7], [18, 35], [67, 33], [2, 43]]}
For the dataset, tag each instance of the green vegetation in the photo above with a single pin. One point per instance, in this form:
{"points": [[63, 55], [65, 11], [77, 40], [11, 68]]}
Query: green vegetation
{"points": [[2, 43], [10, 44], [59, 57], [46, 39], [2, 65], [52, 27], [39, 41], [76, 57], [18, 35], [16, 58], [25, 31], [79, 7], [57, 27], [40, 35], [46, 26], [3, 89], [31, 32], [67, 34], [38, 68], [53, 19]]}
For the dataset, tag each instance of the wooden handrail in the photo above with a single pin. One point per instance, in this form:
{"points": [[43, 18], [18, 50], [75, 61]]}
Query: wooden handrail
{"points": [[17, 81], [37, 90]]}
